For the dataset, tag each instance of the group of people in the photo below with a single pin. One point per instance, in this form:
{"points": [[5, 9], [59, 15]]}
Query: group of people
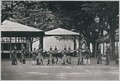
{"points": [[22, 55], [83, 55], [37, 56], [100, 56]]}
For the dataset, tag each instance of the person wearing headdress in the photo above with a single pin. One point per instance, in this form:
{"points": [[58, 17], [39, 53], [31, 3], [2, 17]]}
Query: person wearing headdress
{"points": [[64, 55], [80, 59], [14, 56], [56, 56], [69, 56], [50, 56], [83, 49], [39, 56], [34, 53], [23, 51], [55, 48], [99, 61], [107, 56], [87, 55]]}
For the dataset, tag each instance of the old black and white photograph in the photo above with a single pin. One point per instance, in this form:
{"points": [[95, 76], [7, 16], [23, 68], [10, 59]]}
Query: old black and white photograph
{"points": [[59, 40]]}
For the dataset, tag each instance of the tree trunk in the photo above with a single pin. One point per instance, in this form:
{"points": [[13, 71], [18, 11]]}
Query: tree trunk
{"points": [[74, 42], [112, 42], [30, 46], [93, 50], [88, 44]]}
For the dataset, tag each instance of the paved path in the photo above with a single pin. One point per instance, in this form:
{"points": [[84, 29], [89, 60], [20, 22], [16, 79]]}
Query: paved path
{"points": [[59, 72]]}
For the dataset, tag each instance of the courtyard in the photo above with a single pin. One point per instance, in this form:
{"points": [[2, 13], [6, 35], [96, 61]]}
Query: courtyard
{"points": [[58, 71]]}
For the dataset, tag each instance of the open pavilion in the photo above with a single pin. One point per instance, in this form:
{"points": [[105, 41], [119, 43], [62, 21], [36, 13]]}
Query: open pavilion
{"points": [[13, 33], [19, 33], [63, 32]]}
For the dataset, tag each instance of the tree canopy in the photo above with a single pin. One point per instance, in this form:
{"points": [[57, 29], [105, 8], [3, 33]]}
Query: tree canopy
{"points": [[89, 18]]}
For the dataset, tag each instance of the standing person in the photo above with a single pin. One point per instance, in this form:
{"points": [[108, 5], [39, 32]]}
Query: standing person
{"points": [[23, 51], [64, 56], [87, 55], [56, 56], [55, 48], [14, 56], [50, 56], [99, 61], [80, 56], [39, 56], [83, 52], [34, 56], [107, 56], [69, 56]]}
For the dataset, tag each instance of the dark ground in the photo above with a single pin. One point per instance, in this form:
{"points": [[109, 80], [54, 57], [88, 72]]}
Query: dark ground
{"points": [[59, 72]]}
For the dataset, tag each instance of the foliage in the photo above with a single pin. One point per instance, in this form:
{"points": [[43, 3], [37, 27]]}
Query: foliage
{"points": [[77, 15]]}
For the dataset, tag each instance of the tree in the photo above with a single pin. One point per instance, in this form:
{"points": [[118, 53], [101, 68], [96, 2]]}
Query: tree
{"points": [[78, 15], [108, 12], [81, 16], [78, 19]]}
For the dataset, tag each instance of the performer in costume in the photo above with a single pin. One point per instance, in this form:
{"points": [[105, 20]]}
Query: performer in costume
{"points": [[50, 56], [64, 56], [99, 61], [34, 53], [39, 56], [23, 51], [14, 56], [69, 56], [107, 56], [56, 56], [80, 59]]}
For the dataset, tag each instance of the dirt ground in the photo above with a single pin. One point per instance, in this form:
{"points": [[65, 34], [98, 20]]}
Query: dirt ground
{"points": [[58, 71]]}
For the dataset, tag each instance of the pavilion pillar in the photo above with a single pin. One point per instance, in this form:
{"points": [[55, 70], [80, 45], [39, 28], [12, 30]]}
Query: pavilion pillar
{"points": [[21, 45], [41, 41], [2, 46], [18, 39], [10, 48], [28, 45], [79, 42], [15, 40], [30, 42], [74, 41]]}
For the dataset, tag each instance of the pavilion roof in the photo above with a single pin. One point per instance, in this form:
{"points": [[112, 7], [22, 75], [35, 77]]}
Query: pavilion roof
{"points": [[60, 32], [14, 29], [8, 25]]}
